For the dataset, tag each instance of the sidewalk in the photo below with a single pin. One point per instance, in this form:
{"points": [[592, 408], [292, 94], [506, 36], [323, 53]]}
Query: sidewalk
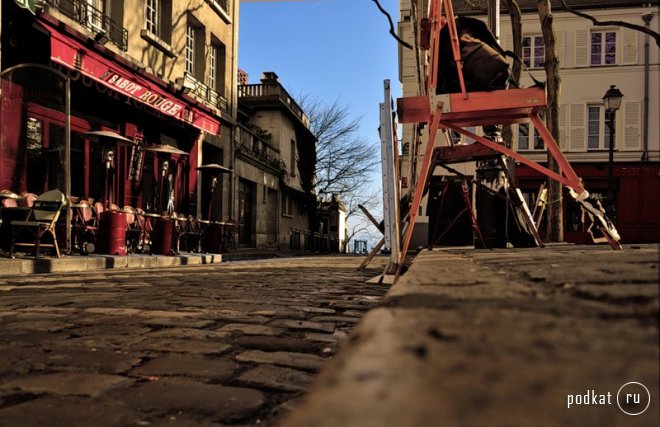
{"points": [[521, 337], [81, 263], [78, 263]]}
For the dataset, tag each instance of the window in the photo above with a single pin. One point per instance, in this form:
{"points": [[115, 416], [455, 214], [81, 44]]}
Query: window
{"points": [[213, 65], [533, 51], [94, 13], [598, 133], [524, 132], [194, 52], [190, 49], [287, 205], [293, 158], [603, 48], [216, 77], [158, 21], [152, 12]]}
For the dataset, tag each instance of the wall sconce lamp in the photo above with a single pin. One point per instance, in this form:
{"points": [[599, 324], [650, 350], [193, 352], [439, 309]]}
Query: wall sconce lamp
{"points": [[184, 86], [101, 37]]}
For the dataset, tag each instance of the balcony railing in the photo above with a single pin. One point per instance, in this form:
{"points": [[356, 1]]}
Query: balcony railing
{"points": [[271, 91], [193, 86], [93, 19], [258, 149]]}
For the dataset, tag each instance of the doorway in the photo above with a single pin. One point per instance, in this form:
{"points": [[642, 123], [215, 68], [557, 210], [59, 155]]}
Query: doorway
{"points": [[245, 212]]}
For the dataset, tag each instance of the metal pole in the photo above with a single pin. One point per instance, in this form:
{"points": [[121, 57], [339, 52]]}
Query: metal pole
{"points": [[67, 159], [610, 177]]}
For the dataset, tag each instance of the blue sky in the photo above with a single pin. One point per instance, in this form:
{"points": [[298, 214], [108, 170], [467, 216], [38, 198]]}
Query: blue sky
{"points": [[331, 49]]}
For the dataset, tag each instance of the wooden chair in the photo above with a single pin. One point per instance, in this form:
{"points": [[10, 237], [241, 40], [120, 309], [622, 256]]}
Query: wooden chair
{"points": [[40, 221], [8, 199], [133, 229], [84, 228], [28, 199]]}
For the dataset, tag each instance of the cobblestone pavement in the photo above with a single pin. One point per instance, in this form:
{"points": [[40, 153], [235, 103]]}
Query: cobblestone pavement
{"points": [[517, 337], [235, 344]]}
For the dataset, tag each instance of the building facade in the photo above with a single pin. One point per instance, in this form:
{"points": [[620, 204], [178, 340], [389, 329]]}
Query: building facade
{"points": [[275, 163], [159, 73], [591, 59]]}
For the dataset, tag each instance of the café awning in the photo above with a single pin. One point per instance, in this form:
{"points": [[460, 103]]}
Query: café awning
{"points": [[118, 77]]}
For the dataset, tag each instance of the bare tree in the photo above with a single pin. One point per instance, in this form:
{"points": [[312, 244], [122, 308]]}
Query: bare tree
{"points": [[358, 223], [555, 223], [344, 158], [618, 23], [516, 31]]}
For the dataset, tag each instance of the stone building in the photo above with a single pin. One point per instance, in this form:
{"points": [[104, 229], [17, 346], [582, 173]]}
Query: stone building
{"points": [[160, 73], [591, 59], [275, 165]]}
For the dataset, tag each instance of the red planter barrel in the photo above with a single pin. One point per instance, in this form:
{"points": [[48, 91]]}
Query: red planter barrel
{"points": [[161, 237], [213, 238], [112, 233]]}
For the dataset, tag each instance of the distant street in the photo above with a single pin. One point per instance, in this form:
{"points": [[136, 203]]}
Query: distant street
{"points": [[229, 344]]}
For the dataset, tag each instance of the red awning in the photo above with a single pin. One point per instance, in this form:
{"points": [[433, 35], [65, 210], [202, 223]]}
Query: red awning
{"points": [[118, 77]]}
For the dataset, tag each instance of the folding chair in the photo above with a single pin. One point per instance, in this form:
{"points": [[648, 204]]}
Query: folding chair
{"points": [[40, 221]]}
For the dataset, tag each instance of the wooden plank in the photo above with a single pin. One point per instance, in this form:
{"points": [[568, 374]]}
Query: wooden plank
{"points": [[413, 109]]}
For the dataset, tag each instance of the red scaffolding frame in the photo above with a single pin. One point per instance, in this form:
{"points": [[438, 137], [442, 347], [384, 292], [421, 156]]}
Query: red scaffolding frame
{"points": [[456, 111]]}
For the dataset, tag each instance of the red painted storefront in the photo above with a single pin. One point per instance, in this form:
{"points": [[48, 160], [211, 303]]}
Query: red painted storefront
{"points": [[107, 93], [637, 198]]}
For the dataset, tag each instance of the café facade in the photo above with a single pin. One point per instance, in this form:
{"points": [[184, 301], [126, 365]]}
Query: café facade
{"points": [[135, 138]]}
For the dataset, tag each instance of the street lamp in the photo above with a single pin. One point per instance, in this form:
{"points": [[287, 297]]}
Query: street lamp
{"points": [[612, 101]]}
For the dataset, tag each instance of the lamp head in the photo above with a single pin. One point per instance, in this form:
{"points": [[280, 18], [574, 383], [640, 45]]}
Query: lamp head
{"points": [[612, 98]]}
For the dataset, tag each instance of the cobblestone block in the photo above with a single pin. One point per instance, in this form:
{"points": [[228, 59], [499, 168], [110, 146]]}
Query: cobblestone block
{"points": [[209, 370], [307, 362], [304, 325], [275, 377], [215, 402], [68, 383], [248, 329]]}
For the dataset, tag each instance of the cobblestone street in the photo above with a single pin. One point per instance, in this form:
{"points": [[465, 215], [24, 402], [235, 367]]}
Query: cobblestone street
{"points": [[230, 344]]}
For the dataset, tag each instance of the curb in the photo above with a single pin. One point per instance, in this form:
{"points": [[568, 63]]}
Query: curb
{"points": [[77, 264]]}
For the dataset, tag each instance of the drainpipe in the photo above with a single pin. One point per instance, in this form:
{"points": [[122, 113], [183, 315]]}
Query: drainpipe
{"points": [[647, 17], [234, 110]]}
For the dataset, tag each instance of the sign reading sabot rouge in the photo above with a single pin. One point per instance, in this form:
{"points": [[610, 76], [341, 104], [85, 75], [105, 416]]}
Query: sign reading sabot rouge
{"points": [[114, 75]]}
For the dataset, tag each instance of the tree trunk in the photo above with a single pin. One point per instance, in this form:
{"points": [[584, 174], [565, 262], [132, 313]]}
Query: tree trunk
{"points": [[516, 30], [555, 220]]}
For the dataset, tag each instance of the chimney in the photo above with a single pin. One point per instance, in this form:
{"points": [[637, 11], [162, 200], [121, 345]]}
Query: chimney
{"points": [[269, 77]]}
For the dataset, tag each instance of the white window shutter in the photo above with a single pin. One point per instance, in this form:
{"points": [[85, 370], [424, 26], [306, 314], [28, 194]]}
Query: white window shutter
{"points": [[507, 42], [631, 125], [576, 133], [629, 47], [560, 39], [581, 48], [563, 110]]}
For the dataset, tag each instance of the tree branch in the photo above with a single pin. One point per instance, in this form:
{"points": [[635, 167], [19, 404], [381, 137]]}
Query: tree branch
{"points": [[392, 32], [628, 25]]}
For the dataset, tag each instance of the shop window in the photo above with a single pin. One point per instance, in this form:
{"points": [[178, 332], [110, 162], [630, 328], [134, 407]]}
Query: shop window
{"points": [[603, 47]]}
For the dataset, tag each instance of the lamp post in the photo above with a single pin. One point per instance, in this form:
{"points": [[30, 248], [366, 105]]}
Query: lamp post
{"points": [[612, 101]]}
